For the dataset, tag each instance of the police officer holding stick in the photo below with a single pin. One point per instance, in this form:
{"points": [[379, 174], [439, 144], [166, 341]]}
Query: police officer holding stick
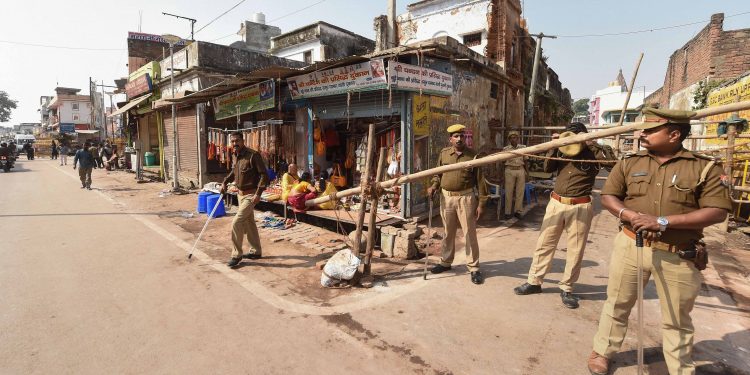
{"points": [[669, 194]]}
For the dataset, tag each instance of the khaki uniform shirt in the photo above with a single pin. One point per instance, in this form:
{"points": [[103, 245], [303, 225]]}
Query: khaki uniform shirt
{"points": [[462, 179], [671, 188], [577, 179], [249, 172], [515, 162]]}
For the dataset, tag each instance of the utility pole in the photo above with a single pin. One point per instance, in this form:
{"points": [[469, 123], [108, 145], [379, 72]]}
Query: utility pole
{"points": [[534, 77], [391, 40], [192, 23], [104, 114]]}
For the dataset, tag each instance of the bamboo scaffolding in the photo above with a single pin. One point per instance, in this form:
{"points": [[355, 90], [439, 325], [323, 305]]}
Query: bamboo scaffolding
{"points": [[494, 158]]}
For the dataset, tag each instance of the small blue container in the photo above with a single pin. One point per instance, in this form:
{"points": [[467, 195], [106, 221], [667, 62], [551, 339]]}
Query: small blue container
{"points": [[202, 196], [211, 202]]}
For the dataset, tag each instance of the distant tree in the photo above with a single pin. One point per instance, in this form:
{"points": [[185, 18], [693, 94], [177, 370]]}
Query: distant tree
{"points": [[581, 107], [6, 105]]}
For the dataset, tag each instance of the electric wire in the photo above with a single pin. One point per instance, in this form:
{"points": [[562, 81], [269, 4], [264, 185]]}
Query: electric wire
{"points": [[61, 47], [219, 16], [647, 30], [275, 19], [297, 11]]}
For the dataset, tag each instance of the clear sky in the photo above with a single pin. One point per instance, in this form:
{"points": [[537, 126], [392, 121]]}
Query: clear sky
{"points": [[584, 64]]}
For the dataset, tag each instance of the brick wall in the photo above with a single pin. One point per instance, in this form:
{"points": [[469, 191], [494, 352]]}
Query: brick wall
{"points": [[712, 53], [732, 54]]}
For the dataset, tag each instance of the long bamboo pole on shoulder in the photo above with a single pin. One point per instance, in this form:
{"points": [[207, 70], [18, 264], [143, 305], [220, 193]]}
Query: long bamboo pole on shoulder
{"points": [[542, 147]]}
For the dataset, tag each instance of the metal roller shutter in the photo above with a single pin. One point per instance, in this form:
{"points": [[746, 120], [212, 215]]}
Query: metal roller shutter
{"points": [[188, 143], [361, 104]]}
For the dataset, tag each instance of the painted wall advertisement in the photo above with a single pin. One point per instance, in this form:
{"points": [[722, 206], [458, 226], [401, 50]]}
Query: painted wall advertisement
{"points": [[369, 75], [180, 63], [413, 78], [421, 113], [739, 91], [249, 99]]}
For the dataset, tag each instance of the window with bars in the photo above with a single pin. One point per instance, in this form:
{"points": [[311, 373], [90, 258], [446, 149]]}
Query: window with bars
{"points": [[471, 40]]}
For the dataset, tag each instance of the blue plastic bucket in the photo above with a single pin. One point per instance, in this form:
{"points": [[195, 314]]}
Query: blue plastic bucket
{"points": [[211, 202], [202, 196]]}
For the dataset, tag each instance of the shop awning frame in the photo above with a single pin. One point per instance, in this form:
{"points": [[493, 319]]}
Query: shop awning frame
{"points": [[130, 105], [87, 131]]}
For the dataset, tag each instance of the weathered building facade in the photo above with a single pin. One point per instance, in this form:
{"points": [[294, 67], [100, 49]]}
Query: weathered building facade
{"points": [[320, 41], [496, 30]]}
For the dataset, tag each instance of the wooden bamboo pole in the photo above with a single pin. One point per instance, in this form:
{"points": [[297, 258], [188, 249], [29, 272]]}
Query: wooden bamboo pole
{"points": [[373, 214], [364, 181], [542, 147], [627, 101]]}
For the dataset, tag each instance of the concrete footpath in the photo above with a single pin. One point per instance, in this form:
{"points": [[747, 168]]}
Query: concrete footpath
{"points": [[445, 325]]}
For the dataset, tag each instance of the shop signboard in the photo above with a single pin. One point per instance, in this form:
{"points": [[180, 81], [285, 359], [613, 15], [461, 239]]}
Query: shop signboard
{"points": [[151, 38], [369, 75], [738, 91], [67, 128], [138, 86], [413, 78], [249, 99]]}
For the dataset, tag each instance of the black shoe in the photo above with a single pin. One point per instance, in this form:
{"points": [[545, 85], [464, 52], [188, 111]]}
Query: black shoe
{"points": [[507, 217], [440, 268], [527, 289], [517, 215], [477, 278], [252, 256], [234, 262], [83, 187], [88, 187], [569, 300]]}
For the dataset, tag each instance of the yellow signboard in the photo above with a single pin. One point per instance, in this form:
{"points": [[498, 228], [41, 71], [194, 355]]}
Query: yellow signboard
{"points": [[421, 111], [739, 91]]}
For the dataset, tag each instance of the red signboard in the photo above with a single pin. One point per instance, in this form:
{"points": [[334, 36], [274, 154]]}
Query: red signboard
{"points": [[138, 86], [82, 126]]}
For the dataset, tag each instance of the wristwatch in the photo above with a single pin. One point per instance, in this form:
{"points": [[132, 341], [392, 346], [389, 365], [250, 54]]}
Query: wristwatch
{"points": [[663, 222]]}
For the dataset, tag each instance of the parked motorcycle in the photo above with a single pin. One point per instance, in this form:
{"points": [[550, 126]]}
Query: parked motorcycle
{"points": [[6, 162]]}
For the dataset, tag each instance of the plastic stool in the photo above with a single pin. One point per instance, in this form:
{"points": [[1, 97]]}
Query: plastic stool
{"points": [[528, 193]]}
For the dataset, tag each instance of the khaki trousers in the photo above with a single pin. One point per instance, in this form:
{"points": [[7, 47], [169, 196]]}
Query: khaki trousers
{"points": [[515, 183], [575, 219], [455, 210], [85, 175], [677, 284], [243, 226]]}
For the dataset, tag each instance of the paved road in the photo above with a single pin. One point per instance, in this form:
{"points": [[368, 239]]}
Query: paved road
{"points": [[87, 287]]}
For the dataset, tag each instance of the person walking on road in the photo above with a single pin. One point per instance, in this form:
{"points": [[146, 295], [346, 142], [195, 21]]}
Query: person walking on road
{"points": [[458, 203], [64, 154], [250, 177], [570, 210], [54, 151], [85, 162], [670, 194], [515, 178]]}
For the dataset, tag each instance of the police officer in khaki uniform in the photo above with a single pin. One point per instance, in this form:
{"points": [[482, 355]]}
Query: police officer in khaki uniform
{"points": [[458, 202], [515, 178], [569, 209], [670, 194], [251, 178]]}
